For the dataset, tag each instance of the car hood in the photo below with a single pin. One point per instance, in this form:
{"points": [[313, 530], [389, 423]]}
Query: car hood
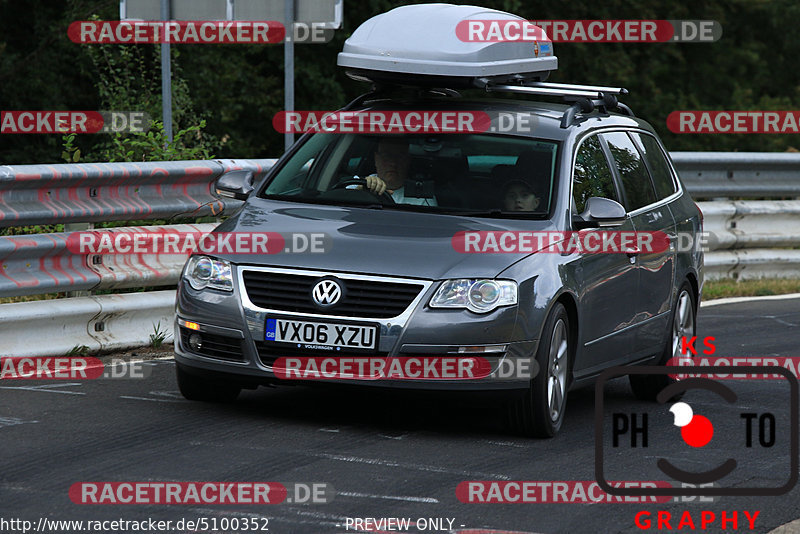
{"points": [[376, 241]]}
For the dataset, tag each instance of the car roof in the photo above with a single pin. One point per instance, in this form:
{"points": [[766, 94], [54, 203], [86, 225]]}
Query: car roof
{"points": [[548, 115]]}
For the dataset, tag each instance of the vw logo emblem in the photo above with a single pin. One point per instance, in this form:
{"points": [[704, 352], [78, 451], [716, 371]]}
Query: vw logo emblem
{"points": [[326, 293]]}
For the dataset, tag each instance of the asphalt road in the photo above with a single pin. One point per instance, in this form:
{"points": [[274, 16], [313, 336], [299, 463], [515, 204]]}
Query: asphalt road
{"points": [[388, 455]]}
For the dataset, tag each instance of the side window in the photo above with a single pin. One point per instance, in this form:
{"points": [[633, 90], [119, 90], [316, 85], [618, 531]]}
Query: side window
{"points": [[659, 168], [592, 176], [635, 179], [296, 174]]}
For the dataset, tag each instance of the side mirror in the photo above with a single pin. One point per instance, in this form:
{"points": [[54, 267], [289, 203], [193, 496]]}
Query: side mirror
{"points": [[235, 184], [600, 212]]}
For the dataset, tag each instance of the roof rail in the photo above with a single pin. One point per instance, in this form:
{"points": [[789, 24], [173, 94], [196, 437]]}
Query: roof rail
{"points": [[586, 98]]}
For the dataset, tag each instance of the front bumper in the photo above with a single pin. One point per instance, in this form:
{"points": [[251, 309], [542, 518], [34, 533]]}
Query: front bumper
{"points": [[234, 346]]}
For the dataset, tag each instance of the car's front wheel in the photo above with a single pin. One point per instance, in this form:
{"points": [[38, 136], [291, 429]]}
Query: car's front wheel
{"points": [[197, 388], [540, 412]]}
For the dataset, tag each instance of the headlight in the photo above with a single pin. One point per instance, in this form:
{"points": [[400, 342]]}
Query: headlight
{"points": [[479, 296], [202, 272]]}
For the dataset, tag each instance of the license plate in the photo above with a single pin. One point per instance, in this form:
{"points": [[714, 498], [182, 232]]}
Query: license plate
{"points": [[322, 336]]}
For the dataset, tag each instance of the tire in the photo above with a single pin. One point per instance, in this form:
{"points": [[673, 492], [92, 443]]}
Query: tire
{"points": [[540, 412], [196, 388], [683, 322]]}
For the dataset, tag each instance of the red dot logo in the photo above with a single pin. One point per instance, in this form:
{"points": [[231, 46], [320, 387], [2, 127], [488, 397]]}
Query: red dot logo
{"points": [[696, 430]]}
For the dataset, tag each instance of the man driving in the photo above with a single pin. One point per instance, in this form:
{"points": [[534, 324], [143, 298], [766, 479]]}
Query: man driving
{"points": [[392, 163]]}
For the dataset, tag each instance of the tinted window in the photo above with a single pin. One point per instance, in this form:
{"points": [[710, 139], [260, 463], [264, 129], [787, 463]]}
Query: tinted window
{"points": [[635, 179], [659, 168], [592, 176]]}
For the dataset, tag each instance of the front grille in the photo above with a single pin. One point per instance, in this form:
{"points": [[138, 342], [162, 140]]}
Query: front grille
{"points": [[215, 346], [361, 298], [268, 353]]}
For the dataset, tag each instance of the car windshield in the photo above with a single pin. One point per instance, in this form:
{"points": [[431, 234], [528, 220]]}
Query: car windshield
{"points": [[476, 174]]}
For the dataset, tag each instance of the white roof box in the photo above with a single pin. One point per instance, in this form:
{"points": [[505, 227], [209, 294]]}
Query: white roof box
{"points": [[418, 45]]}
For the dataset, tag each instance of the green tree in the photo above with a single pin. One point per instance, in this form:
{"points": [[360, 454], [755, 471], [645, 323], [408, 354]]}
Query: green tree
{"points": [[239, 88]]}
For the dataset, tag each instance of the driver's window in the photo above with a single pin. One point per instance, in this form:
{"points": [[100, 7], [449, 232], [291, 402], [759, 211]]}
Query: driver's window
{"points": [[592, 176], [297, 174]]}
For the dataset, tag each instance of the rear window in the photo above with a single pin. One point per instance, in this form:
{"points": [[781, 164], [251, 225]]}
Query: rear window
{"points": [[659, 168], [457, 173]]}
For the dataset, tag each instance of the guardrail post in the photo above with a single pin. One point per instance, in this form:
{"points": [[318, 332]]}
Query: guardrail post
{"points": [[77, 227]]}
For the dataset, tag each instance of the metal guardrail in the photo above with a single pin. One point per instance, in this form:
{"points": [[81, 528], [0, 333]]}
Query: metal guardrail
{"points": [[747, 264], [739, 174], [98, 192], [42, 263], [100, 323], [752, 223], [752, 238], [742, 232]]}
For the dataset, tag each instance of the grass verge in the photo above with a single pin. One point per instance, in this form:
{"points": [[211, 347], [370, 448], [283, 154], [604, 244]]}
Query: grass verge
{"points": [[728, 287]]}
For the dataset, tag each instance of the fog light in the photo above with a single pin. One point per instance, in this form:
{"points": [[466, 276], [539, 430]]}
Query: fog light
{"points": [[195, 342]]}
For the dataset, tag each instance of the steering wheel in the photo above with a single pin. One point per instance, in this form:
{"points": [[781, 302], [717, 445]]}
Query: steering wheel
{"points": [[385, 196]]}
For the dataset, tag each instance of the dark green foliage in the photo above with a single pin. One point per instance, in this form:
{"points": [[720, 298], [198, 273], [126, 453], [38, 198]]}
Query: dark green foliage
{"points": [[237, 89]]}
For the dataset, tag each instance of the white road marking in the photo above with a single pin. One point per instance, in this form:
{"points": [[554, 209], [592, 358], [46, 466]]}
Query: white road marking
{"points": [[404, 465], [23, 489], [226, 445], [734, 300], [148, 399], [371, 461], [168, 394], [775, 318], [507, 444], [48, 388], [388, 497], [13, 421]]}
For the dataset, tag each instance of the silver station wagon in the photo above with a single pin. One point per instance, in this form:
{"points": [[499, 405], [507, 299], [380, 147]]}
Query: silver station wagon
{"points": [[432, 253]]}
